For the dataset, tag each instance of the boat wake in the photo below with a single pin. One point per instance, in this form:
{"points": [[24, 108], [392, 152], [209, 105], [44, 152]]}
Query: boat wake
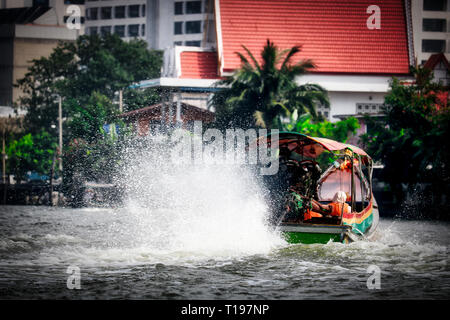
{"points": [[215, 210]]}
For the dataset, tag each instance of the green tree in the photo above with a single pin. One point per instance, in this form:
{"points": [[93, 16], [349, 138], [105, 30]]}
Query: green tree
{"points": [[75, 70], [339, 131], [107, 64], [40, 88], [31, 153], [261, 94], [86, 122], [87, 73], [140, 98], [412, 141]]}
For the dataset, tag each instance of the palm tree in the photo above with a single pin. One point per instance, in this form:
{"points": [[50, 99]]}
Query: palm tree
{"points": [[262, 94]]}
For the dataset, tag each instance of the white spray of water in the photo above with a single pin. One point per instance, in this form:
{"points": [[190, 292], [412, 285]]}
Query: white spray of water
{"points": [[198, 211]]}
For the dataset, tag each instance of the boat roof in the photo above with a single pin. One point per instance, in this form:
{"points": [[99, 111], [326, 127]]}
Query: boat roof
{"points": [[297, 142]]}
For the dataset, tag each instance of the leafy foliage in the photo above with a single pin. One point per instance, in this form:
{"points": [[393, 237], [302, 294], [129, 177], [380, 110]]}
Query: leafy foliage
{"points": [[338, 131], [75, 70], [137, 99], [412, 141], [87, 73], [86, 122], [261, 94], [31, 153]]}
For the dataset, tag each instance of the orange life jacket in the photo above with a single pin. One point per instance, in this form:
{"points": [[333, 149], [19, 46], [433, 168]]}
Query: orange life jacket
{"points": [[311, 214], [336, 208]]}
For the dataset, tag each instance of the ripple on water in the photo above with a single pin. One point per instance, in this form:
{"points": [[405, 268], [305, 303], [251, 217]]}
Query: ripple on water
{"points": [[35, 256]]}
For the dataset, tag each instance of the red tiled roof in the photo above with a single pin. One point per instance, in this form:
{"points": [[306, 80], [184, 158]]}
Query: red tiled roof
{"points": [[198, 65], [333, 34]]}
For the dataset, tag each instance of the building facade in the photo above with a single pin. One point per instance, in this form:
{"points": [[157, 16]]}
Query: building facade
{"points": [[354, 61], [30, 29], [431, 28], [162, 23], [180, 23], [128, 19], [56, 15]]}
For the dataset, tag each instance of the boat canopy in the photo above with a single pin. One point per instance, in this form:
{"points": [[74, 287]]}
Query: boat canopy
{"points": [[313, 146]]}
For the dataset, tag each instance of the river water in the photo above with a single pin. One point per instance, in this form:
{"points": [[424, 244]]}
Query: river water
{"points": [[122, 255], [199, 231]]}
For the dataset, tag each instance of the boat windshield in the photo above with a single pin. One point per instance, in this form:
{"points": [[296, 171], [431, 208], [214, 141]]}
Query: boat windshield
{"points": [[339, 179]]}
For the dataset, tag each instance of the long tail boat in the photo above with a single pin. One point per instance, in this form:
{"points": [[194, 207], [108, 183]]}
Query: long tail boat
{"points": [[313, 169]]}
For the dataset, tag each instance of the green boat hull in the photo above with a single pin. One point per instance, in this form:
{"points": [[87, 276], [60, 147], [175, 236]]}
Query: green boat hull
{"points": [[309, 238], [308, 234]]}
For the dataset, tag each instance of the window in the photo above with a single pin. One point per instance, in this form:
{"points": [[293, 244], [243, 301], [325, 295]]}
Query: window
{"points": [[142, 29], [323, 110], [104, 30], [178, 43], [433, 45], [105, 12], [434, 25], [435, 5], [119, 12], [193, 26], [92, 14], [119, 30], [193, 43], [178, 28], [133, 11], [93, 30], [178, 8], [341, 180], [73, 1], [362, 108], [143, 10], [194, 7], [133, 30], [40, 3]]}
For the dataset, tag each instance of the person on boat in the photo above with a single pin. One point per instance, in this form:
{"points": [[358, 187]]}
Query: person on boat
{"points": [[339, 205], [336, 208]]}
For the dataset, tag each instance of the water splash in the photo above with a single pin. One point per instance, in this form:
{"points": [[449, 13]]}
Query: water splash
{"points": [[196, 210]]}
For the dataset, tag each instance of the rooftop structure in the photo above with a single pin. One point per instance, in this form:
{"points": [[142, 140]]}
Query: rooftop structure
{"points": [[356, 47], [440, 66], [155, 117], [335, 34]]}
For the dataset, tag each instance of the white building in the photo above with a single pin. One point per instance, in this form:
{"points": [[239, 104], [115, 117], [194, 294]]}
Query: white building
{"points": [[162, 23], [354, 62], [431, 28], [181, 23], [125, 18]]}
